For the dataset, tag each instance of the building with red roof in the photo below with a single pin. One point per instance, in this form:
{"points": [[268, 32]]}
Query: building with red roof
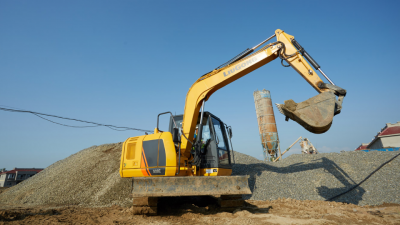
{"points": [[388, 137], [363, 146], [16, 176]]}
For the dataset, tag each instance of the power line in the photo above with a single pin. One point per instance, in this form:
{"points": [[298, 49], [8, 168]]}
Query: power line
{"points": [[64, 124], [65, 118]]}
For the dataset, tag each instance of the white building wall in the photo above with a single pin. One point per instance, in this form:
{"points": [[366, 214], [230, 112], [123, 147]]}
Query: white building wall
{"points": [[2, 180], [391, 141]]}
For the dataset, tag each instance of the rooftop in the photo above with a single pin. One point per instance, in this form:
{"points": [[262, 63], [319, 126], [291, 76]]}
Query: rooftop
{"points": [[389, 129], [22, 170], [362, 146]]}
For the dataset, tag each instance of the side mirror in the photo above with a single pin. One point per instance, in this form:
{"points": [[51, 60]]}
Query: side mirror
{"points": [[230, 132], [175, 135]]}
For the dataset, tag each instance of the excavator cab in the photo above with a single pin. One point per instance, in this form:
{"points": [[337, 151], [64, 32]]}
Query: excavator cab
{"points": [[215, 151]]}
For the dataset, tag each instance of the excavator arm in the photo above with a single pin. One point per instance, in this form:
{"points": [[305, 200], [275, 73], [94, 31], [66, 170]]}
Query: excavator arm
{"points": [[314, 114]]}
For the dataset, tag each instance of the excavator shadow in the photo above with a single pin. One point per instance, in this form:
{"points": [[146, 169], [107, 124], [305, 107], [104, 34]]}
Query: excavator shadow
{"points": [[204, 205], [185, 204], [328, 166]]}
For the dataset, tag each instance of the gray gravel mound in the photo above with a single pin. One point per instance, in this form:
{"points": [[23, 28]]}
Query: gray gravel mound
{"points": [[91, 178], [322, 176]]}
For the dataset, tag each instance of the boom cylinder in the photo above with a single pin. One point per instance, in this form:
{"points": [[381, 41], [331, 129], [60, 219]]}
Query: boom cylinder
{"points": [[310, 59]]}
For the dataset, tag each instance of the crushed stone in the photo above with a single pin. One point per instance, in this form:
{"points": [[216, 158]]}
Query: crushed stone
{"points": [[322, 176], [91, 178]]}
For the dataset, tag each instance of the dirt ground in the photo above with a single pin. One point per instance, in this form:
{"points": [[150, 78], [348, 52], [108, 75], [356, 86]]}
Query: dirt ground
{"points": [[206, 211]]}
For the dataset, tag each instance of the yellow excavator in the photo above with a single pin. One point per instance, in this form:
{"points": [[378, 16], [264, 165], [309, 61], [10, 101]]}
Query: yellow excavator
{"points": [[194, 156]]}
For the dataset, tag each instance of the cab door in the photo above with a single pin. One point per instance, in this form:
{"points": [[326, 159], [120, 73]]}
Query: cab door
{"points": [[223, 154]]}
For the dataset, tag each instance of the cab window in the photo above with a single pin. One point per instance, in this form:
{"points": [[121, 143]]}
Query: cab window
{"points": [[223, 156]]}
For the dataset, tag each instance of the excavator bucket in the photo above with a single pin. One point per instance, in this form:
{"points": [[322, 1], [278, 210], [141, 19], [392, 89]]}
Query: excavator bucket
{"points": [[315, 114]]}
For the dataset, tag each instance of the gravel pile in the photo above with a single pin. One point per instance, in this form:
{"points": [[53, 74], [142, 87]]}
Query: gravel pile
{"points": [[91, 178], [322, 176]]}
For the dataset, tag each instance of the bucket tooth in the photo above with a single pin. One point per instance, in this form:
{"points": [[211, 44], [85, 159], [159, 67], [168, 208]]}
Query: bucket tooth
{"points": [[279, 106], [314, 114]]}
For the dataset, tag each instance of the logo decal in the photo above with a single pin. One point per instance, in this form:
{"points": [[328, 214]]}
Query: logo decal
{"points": [[241, 66], [156, 171]]}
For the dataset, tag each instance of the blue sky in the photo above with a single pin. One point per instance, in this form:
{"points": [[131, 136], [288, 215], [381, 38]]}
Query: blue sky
{"points": [[124, 62]]}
